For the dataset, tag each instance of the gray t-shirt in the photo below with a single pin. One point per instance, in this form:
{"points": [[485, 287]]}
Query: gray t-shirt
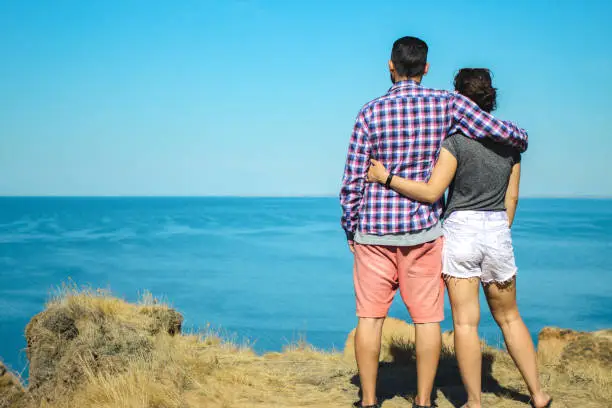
{"points": [[483, 170]]}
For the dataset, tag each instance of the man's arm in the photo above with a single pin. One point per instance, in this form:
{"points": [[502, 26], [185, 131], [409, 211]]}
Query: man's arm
{"points": [[475, 123], [353, 181]]}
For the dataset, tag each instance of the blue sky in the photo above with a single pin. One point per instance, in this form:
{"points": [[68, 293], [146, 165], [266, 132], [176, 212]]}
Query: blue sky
{"points": [[259, 97]]}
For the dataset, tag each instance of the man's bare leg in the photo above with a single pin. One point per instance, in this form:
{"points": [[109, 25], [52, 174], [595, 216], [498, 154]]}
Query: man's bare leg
{"points": [[428, 346], [367, 353]]}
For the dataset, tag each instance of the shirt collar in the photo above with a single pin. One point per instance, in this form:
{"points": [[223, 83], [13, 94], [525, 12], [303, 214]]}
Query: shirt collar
{"points": [[410, 83]]}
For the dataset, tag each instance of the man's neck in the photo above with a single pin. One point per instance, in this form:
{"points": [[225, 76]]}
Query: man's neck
{"points": [[415, 79]]}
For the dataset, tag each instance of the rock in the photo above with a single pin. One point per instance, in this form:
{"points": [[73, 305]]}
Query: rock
{"points": [[395, 332], [555, 333], [48, 335], [163, 319], [589, 348], [85, 334], [398, 341], [11, 390], [569, 348]]}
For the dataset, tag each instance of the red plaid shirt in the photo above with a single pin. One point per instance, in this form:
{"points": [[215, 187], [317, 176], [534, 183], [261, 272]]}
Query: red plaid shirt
{"points": [[404, 129]]}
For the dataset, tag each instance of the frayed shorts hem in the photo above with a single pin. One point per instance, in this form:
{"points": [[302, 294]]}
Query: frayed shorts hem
{"points": [[500, 282]]}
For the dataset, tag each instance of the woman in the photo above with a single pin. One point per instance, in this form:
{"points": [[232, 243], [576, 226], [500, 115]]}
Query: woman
{"points": [[484, 185]]}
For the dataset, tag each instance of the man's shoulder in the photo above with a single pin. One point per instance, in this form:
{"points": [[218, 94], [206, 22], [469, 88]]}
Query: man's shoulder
{"points": [[369, 106], [411, 93], [440, 93]]}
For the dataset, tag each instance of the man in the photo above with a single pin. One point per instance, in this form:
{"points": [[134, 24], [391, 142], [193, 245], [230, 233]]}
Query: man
{"points": [[397, 242]]}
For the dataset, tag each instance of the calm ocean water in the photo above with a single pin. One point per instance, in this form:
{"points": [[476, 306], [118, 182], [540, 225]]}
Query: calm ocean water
{"points": [[270, 269]]}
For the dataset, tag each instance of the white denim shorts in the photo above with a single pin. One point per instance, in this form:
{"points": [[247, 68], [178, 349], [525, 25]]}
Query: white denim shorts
{"points": [[478, 244]]}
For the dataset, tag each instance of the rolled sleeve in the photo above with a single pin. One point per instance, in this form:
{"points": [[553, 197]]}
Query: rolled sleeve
{"points": [[353, 180]]}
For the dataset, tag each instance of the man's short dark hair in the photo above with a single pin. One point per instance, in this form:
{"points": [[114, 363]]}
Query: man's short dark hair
{"points": [[409, 56]]}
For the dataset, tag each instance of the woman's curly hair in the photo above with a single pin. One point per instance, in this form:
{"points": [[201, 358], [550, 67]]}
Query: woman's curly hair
{"points": [[476, 84]]}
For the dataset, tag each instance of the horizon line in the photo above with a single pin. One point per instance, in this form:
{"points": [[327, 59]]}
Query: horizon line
{"points": [[544, 196]]}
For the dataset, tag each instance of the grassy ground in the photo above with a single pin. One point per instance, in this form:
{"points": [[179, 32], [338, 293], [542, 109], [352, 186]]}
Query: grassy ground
{"points": [[93, 350]]}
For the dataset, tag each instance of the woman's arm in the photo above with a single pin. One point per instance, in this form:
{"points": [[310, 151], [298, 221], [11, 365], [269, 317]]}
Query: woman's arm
{"points": [[428, 192], [512, 193]]}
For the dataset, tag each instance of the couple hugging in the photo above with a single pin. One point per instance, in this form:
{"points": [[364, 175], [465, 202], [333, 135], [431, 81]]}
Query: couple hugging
{"points": [[407, 148]]}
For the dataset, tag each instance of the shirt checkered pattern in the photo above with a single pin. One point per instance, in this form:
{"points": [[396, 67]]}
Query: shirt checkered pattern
{"points": [[404, 129]]}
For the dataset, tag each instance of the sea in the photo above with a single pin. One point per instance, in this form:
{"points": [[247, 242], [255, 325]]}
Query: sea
{"points": [[269, 272]]}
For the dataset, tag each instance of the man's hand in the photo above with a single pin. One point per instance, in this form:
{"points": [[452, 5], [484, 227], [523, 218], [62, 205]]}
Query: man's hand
{"points": [[377, 173], [351, 245]]}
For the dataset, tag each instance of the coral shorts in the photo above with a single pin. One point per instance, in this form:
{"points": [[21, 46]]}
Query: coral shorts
{"points": [[416, 271]]}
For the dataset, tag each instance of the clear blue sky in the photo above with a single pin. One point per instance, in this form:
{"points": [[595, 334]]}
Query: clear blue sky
{"points": [[259, 97]]}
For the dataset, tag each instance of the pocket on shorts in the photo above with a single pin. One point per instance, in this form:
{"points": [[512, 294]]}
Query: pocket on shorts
{"points": [[500, 240], [456, 219], [499, 264], [460, 246]]}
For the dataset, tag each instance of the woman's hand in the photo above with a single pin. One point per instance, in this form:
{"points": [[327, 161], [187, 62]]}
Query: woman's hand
{"points": [[377, 173]]}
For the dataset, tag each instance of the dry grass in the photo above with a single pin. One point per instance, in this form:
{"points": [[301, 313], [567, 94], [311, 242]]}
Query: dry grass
{"points": [[88, 349]]}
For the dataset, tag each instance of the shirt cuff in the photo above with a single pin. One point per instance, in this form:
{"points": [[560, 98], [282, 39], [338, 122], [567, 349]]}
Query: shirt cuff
{"points": [[350, 236]]}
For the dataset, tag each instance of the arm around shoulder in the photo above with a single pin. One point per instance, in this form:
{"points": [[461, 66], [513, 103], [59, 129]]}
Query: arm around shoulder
{"points": [[475, 123]]}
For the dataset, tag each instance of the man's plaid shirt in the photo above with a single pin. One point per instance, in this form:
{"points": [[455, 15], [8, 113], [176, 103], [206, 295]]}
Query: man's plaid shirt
{"points": [[404, 129]]}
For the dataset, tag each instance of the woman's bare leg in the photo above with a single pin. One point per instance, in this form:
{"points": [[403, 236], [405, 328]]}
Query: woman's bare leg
{"points": [[502, 301], [463, 295]]}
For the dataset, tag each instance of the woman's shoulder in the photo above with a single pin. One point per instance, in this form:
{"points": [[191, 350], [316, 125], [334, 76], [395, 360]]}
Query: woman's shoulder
{"points": [[459, 142], [453, 143], [455, 140], [457, 137]]}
